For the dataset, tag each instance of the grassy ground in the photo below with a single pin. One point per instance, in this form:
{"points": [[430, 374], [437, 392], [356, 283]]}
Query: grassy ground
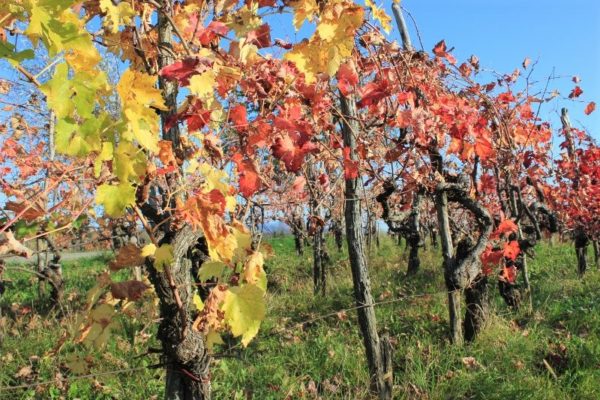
{"points": [[309, 348]]}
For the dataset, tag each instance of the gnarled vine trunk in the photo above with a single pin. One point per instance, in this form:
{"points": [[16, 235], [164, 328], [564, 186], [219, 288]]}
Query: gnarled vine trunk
{"points": [[298, 235], [460, 270], [477, 309], [184, 351], [414, 235], [338, 234], [581, 244], [378, 351]]}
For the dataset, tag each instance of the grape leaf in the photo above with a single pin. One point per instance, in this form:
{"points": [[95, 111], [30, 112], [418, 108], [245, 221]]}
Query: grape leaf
{"points": [[115, 198], [244, 309]]}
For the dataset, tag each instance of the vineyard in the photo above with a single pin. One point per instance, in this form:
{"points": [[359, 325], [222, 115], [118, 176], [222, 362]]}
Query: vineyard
{"points": [[194, 207]]}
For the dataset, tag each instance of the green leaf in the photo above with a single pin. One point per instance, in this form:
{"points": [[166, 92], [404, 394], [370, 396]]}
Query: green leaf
{"points": [[129, 162], [23, 229], [244, 308], [79, 221], [211, 269], [115, 198], [49, 24], [7, 51], [58, 92]]}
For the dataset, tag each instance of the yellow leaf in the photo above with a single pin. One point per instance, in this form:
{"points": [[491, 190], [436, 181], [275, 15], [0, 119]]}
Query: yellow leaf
{"points": [[214, 178], [163, 256], [139, 95], [115, 198], [129, 162], [245, 19], [212, 338], [101, 323], [203, 85], [380, 15], [244, 309], [148, 250], [254, 272], [304, 10], [332, 42], [116, 14], [105, 154], [197, 301]]}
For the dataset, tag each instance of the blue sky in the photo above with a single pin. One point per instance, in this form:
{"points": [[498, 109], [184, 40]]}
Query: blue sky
{"points": [[561, 35]]}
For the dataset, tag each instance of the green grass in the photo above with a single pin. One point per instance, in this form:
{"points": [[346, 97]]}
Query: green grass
{"points": [[305, 349]]}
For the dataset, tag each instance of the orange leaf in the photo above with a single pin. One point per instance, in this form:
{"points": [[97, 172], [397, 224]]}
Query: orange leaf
{"points": [[440, 49], [512, 250], [350, 165], [506, 226], [249, 180], [590, 108], [347, 78]]}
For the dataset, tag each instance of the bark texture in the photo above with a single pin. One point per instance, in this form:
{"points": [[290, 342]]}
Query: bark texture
{"points": [[184, 351], [460, 271], [377, 351]]}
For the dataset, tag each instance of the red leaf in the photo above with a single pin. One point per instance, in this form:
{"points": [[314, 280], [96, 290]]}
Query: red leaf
{"points": [[181, 71], [483, 148], [298, 185], [214, 29], [283, 44], [197, 121], [194, 115], [347, 78], [324, 180], [590, 108], [512, 250], [489, 259], [260, 37], [292, 153], [350, 165], [250, 182], [576, 92], [506, 226], [372, 92], [506, 97], [465, 69], [440, 49], [509, 274], [238, 116]]}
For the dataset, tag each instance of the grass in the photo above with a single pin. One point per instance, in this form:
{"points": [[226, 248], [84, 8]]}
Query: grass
{"points": [[308, 348]]}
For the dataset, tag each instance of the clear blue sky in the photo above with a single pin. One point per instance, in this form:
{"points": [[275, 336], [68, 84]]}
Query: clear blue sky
{"points": [[564, 35]]}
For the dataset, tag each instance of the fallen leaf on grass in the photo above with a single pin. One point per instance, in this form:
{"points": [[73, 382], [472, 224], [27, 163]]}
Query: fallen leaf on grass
{"points": [[24, 372], [471, 363]]}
